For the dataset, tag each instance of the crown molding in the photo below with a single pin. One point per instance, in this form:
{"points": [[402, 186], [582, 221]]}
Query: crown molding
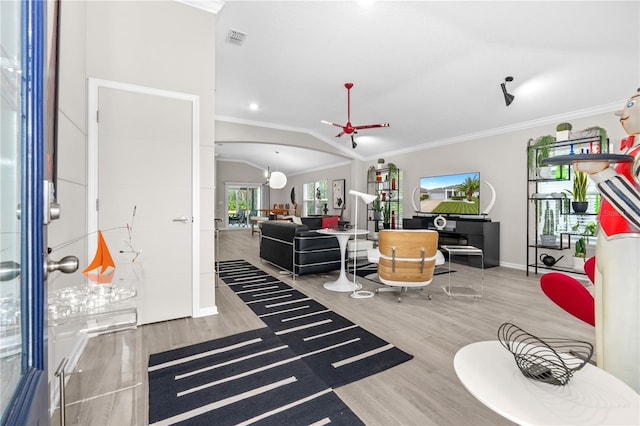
{"points": [[558, 118]]}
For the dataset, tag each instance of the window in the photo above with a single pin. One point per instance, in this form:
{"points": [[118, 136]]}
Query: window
{"points": [[316, 197]]}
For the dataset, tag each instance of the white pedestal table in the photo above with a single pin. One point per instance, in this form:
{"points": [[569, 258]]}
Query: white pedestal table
{"points": [[592, 396], [342, 283]]}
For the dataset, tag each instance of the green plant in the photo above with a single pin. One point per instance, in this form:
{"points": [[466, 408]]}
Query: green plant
{"points": [[376, 206], [580, 249], [580, 183], [542, 147], [386, 213], [563, 126]]}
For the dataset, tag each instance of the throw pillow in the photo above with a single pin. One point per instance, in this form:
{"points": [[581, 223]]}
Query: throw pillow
{"points": [[330, 222]]}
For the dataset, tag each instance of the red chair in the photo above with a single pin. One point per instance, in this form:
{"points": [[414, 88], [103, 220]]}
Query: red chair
{"points": [[590, 268], [570, 294]]}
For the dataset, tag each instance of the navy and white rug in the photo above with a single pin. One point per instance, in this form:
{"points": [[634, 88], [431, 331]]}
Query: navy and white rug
{"points": [[247, 378], [282, 374], [339, 351]]}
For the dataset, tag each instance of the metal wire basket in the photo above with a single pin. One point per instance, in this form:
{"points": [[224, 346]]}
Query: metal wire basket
{"points": [[549, 360]]}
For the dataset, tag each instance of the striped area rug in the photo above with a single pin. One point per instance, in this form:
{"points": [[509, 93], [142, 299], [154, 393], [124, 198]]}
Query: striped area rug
{"points": [[339, 351], [283, 374], [247, 378]]}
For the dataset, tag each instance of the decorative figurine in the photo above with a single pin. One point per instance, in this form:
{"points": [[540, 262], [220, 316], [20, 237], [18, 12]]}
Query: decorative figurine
{"points": [[617, 277]]}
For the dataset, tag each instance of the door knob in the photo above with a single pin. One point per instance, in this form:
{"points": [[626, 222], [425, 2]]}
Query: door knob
{"points": [[9, 270], [66, 265], [182, 219]]}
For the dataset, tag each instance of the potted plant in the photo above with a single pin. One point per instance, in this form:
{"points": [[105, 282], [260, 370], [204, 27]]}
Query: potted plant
{"points": [[563, 131], [580, 249], [579, 193], [386, 216], [376, 206], [537, 151]]}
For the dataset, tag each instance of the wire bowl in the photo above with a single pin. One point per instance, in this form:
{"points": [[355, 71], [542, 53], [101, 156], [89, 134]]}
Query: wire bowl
{"points": [[551, 360]]}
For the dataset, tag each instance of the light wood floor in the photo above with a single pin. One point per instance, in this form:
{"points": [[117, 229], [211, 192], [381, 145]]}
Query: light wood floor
{"points": [[109, 385]]}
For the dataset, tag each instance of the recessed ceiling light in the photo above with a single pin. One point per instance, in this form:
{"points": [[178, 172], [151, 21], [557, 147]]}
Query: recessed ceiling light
{"points": [[253, 106]]}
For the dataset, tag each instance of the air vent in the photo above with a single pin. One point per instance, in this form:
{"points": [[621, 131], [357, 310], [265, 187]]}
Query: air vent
{"points": [[235, 37]]}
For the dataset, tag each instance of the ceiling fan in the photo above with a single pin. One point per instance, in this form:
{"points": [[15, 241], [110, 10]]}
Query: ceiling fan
{"points": [[348, 128]]}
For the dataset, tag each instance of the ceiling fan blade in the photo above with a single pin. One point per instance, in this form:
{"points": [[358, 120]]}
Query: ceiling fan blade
{"points": [[340, 134], [331, 124], [371, 126]]}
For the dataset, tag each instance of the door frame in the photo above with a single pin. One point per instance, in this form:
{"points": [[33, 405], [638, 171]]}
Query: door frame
{"points": [[94, 85]]}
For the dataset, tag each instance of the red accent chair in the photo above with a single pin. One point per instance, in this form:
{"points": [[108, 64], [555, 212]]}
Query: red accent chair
{"points": [[590, 268], [570, 294]]}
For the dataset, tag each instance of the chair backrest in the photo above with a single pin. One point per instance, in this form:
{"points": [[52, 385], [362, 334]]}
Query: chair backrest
{"points": [[407, 255], [570, 294], [590, 268]]}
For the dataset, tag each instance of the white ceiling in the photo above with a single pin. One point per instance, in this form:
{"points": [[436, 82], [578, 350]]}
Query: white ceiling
{"points": [[430, 69]]}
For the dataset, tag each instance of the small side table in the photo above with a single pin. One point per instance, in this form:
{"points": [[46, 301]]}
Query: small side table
{"points": [[342, 283], [452, 291]]}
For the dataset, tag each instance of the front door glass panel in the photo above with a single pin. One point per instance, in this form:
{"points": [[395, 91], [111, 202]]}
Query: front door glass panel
{"points": [[10, 188]]}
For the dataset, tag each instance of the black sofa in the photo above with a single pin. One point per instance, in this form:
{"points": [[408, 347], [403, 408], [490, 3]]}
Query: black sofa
{"points": [[298, 249]]}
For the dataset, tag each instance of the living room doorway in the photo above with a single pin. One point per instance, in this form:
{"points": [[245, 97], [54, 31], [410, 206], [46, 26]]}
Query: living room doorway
{"points": [[242, 201]]}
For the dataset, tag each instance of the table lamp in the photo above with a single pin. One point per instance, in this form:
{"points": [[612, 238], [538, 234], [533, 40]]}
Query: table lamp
{"points": [[367, 198]]}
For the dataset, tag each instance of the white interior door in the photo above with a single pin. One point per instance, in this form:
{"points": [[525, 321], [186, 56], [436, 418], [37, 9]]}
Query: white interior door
{"points": [[145, 162]]}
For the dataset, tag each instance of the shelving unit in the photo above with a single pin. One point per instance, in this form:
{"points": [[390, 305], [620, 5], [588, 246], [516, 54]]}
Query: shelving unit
{"points": [[387, 185], [546, 192]]}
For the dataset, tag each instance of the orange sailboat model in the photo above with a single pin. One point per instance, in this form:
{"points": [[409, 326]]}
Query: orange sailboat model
{"points": [[103, 260]]}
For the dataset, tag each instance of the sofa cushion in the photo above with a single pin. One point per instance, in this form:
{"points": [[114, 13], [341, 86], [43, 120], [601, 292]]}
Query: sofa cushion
{"points": [[313, 222]]}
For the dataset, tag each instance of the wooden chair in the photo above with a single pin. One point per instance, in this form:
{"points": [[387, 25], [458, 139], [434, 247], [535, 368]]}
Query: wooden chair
{"points": [[407, 259]]}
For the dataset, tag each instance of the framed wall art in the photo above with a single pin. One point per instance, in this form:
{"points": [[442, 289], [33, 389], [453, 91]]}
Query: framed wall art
{"points": [[338, 193]]}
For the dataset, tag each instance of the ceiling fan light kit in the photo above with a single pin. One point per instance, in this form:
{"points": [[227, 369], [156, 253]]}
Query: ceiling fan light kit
{"points": [[508, 97], [348, 128]]}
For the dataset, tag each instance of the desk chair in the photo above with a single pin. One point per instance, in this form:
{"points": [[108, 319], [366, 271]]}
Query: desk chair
{"points": [[407, 259], [570, 294]]}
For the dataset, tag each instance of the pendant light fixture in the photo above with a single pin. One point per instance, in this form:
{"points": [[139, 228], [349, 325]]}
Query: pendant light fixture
{"points": [[277, 179]]}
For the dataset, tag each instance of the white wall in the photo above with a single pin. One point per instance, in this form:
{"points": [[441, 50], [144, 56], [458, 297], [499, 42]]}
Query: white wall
{"points": [[169, 46], [161, 44], [341, 172]]}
